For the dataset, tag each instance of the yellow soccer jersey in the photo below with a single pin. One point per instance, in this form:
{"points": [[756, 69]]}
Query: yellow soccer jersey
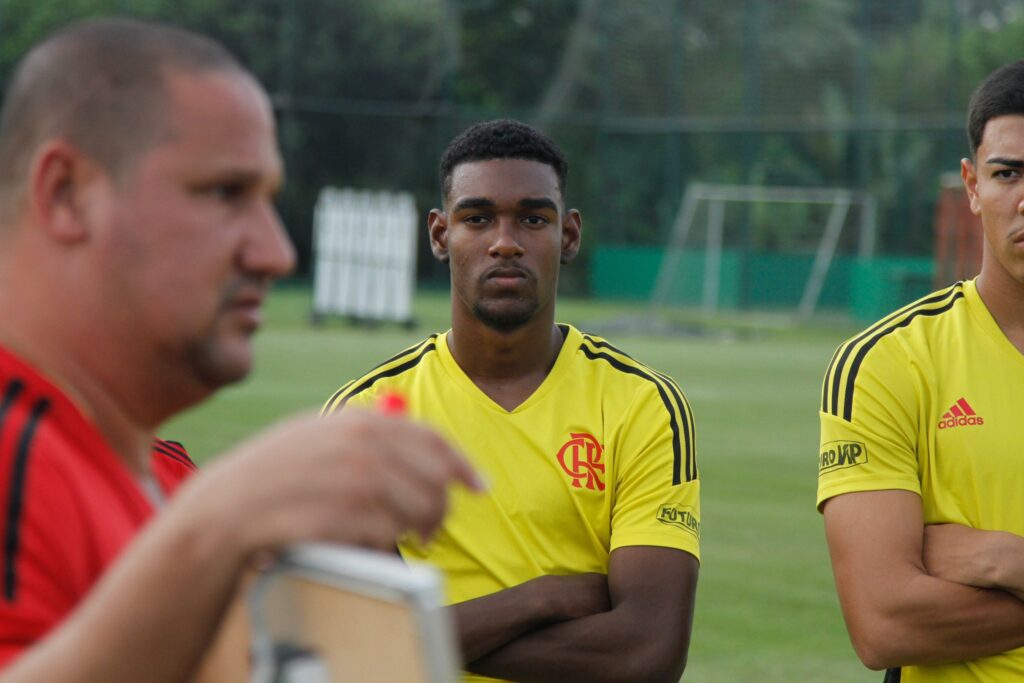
{"points": [[601, 456], [928, 400]]}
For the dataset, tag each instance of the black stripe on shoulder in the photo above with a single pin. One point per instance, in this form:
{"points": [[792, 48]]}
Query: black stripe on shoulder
{"points": [[176, 445], [334, 397], [834, 375], [685, 413], [411, 350], [342, 395], [825, 384], [174, 451], [371, 379], [935, 305], [859, 358], [11, 393], [893, 675], [15, 498], [604, 344], [673, 423]]}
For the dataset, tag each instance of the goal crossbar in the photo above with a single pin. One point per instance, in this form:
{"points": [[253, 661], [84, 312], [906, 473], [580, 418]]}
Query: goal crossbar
{"points": [[841, 199]]}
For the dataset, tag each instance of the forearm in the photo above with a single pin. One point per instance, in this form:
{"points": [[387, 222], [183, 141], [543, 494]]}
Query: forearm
{"points": [[642, 637], [925, 620], [975, 557], [603, 647], [898, 613], [151, 617], [358, 479], [490, 621], [1006, 562]]}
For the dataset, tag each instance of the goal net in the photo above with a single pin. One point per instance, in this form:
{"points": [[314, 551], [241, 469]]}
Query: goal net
{"points": [[796, 230]]}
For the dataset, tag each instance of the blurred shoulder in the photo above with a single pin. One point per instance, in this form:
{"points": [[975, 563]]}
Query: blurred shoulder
{"points": [[383, 375]]}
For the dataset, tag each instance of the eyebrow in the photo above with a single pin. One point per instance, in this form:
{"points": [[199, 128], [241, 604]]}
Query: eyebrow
{"points": [[484, 203], [245, 177], [473, 203], [1003, 161], [538, 204]]}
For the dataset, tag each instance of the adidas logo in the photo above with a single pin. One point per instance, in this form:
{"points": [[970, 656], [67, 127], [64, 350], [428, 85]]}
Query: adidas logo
{"points": [[960, 414]]}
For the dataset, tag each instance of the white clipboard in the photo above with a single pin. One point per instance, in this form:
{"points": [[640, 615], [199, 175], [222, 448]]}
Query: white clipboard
{"points": [[331, 614]]}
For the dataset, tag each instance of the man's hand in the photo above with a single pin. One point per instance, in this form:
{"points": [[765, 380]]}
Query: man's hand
{"points": [[355, 477], [490, 621], [975, 557]]}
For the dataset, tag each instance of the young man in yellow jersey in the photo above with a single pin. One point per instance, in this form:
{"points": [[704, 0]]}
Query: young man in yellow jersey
{"points": [[581, 562], [921, 465]]}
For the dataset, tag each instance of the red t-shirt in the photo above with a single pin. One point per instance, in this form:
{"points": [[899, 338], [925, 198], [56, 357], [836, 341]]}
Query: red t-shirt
{"points": [[68, 504]]}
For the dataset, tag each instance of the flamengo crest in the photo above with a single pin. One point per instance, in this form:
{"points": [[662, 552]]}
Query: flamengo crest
{"points": [[580, 457]]}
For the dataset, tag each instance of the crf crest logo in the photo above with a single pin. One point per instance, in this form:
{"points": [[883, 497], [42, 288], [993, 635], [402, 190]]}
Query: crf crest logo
{"points": [[580, 457]]}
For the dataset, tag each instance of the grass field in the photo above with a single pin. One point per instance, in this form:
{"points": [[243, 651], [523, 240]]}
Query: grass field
{"points": [[766, 607]]}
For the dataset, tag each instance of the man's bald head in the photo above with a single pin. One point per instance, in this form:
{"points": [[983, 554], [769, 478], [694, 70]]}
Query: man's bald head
{"points": [[101, 86]]}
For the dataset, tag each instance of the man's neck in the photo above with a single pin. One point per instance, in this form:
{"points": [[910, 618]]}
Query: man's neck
{"points": [[1004, 298], [96, 396], [508, 366]]}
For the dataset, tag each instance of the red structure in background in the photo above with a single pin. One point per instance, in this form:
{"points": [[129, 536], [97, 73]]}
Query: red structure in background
{"points": [[958, 234]]}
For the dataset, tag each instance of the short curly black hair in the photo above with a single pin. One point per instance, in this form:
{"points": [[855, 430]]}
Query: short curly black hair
{"points": [[1000, 94], [501, 139]]}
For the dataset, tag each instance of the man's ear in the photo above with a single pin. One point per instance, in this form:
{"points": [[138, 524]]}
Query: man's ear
{"points": [[437, 229], [572, 229], [60, 184], [969, 174]]}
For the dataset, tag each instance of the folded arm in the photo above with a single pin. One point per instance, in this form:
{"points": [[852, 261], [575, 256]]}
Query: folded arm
{"points": [[488, 622], [643, 637], [896, 612], [975, 557]]}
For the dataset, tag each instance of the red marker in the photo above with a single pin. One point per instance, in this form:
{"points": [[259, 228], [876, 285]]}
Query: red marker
{"points": [[392, 403]]}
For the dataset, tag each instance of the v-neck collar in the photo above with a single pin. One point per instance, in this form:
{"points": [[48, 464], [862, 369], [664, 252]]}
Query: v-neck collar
{"points": [[979, 311], [572, 342]]}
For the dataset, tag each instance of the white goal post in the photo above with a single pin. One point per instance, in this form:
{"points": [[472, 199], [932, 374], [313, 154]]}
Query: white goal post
{"points": [[716, 196]]}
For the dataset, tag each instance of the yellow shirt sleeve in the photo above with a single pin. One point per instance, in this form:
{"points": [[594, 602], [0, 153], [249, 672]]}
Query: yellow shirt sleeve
{"points": [[648, 509], [876, 448]]}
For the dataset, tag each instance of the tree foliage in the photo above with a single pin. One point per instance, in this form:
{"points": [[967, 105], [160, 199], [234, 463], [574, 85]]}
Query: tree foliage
{"points": [[645, 95]]}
